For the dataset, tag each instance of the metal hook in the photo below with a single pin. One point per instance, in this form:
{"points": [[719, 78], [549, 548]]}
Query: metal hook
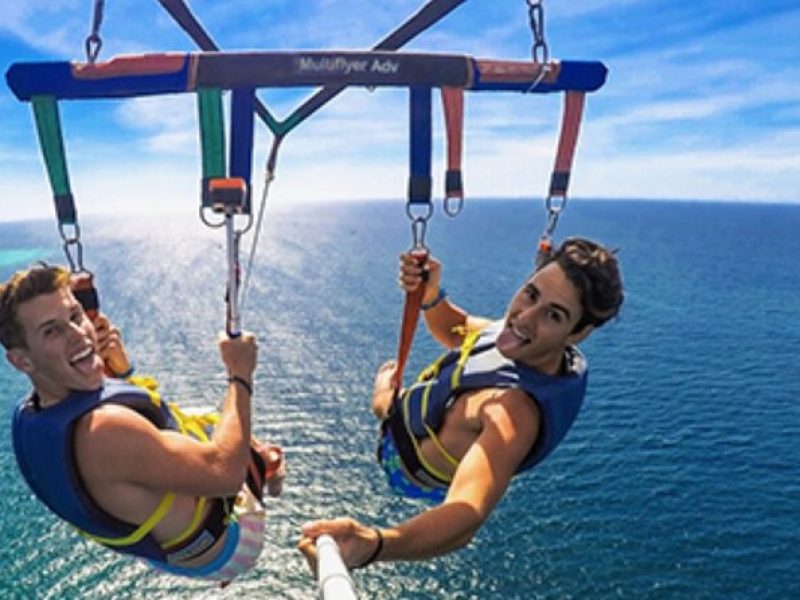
{"points": [[72, 240], [419, 228], [453, 212], [93, 41], [419, 224], [93, 45]]}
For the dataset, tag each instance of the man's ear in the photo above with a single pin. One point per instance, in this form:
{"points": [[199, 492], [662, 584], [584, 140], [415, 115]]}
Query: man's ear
{"points": [[20, 361], [579, 336]]}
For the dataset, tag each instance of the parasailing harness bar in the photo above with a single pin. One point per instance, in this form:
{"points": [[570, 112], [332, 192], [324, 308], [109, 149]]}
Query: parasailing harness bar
{"points": [[227, 191], [431, 12]]}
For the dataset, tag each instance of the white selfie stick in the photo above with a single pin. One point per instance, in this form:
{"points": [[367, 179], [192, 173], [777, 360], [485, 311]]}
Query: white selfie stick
{"points": [[332, 576]]}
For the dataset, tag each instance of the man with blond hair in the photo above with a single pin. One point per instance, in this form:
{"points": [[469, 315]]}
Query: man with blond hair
{"points": [[109, 456]]}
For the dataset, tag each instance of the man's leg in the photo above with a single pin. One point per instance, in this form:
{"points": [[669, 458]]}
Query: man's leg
{"points": [[383, 392]]}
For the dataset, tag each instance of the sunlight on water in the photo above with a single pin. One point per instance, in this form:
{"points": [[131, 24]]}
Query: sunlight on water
{"points": [[677, 480]]}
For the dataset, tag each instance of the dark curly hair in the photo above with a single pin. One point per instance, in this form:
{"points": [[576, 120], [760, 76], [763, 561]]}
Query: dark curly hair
{"points": [[594, 271]]}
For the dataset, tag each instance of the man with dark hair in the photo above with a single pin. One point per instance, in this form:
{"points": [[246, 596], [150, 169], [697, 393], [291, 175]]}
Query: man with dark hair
{"points": [[109, 456], [495, 405]]}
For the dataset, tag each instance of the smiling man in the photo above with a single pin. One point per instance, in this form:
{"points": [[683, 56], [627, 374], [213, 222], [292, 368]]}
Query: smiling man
{"points": [[496, 404], [129, 470]]}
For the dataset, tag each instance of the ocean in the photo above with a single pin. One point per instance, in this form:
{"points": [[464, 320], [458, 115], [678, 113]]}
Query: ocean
{"points": [[680, 478]]}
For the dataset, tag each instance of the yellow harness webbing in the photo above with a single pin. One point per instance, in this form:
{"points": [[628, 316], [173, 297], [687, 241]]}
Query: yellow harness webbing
{"points": [[197, 518], [428, 373], [142, 530], [196, 425]]}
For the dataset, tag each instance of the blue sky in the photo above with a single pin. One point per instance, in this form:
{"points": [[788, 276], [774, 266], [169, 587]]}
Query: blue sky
{"points": [[702, 102]]}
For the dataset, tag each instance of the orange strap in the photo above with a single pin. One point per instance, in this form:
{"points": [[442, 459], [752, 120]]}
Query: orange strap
{"points": [[453, 104], [559, 179], [408, 326], [570, 126]]}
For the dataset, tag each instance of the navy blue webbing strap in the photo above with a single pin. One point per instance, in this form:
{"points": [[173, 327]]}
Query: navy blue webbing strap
{"points": [[419, 184], [241, 142]]}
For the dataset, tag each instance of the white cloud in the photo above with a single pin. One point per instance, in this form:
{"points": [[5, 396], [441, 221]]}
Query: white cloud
{"points": [[51, 27], [764, 168], [169, 123], [154, 112]]}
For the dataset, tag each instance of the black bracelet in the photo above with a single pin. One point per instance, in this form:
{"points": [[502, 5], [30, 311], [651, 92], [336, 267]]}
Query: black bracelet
{"points": [[375, 553], [441, 295], [243, 382]]}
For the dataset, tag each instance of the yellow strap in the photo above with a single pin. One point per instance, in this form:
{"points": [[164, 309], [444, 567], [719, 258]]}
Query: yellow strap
{"points": [[196, 519], [142, 530], [466, 348], [195, 425], [148, 384], [470, 339], [432, 370], [431, 434], [189, 424], [445, 454], [417, 449]]}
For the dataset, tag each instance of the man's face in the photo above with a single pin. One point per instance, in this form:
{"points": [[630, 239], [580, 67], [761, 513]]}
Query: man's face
{"points": [[61, 353], [540, 320]]}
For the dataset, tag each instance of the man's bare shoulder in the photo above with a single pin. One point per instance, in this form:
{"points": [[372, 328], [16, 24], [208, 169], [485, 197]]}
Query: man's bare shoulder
{"points": [[482, 403], [110, 434], [111, 419]]}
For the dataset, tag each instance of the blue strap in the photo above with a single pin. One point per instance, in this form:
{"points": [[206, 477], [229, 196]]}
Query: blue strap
{"points": [[241, 143], [419, 184]]}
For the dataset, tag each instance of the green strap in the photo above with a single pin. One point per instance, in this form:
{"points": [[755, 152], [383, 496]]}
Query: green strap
{"points": [[212, 132], [48, 128]]}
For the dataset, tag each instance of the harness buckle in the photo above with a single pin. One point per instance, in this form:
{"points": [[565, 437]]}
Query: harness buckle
{"points": [[227, 195], [83, 289]]}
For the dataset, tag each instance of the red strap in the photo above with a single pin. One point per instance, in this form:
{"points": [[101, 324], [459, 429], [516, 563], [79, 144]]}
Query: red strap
{"points": [[408, 326], [122, 66], [453, 105], [570, 126]]}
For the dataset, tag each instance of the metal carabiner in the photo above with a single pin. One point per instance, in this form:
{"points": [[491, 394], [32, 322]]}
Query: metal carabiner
{"points": [[207, 222], [419, 228], [540, 53], [71, 241], [419, 224], [93, 42], [428, 212], [453, 212], [536, 18], [75, 263], [246, 228], [92, 46], [555, 204]]}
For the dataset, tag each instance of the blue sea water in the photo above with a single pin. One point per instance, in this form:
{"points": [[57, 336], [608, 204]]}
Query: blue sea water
{"points": [[680, 478]]}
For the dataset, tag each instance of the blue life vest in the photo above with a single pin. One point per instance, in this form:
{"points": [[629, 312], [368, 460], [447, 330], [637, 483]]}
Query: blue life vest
{"points": [[419, 412], [43, 444]]}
